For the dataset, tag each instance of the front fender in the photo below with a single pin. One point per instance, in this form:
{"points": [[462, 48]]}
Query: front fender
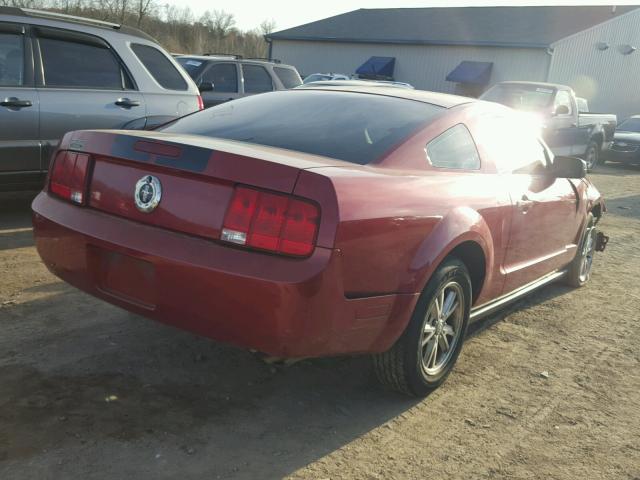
{"points": [[460, 225]]}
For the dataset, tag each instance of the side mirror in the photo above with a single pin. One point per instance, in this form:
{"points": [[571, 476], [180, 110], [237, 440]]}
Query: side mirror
{"points": [[562, 110], [568, 167], [206, 87]]}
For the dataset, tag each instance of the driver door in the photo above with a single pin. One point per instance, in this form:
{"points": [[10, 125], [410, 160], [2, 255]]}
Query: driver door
{"points": [[544, 217]]}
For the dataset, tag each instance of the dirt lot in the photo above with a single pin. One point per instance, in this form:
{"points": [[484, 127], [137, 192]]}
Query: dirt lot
{"points": [[90, 391]]}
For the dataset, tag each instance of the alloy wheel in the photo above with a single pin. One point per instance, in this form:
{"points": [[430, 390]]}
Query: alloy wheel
{"points": [[442, 328], [588, 250]]}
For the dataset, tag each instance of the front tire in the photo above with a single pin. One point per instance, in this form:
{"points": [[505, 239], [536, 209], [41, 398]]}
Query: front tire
{"points": [[580, 268], [424, 355]]}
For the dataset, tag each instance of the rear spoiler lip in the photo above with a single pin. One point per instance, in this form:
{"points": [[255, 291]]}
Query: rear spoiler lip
{"points": [[96, 142]]}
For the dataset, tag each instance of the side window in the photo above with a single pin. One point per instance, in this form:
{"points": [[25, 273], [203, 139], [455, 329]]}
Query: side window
{"points": [[533, 156], [160, 67], [288, 76], [80, 65], [224, 77], [454, 148], [510, 143], [256, 79], [563, 98], [11, 60]]}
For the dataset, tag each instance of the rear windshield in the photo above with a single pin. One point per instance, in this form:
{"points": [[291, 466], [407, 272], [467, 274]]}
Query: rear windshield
{"points": [[193, 66], [288, 76], [159, 67], [354, 127], [521, 96]]}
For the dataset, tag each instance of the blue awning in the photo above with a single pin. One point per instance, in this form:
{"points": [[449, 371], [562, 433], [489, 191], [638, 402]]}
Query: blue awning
{"points": [[477, 73], [378, 66]]}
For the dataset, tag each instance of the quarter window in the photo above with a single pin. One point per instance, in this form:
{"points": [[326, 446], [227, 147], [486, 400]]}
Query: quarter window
{"points": [[80, 65], [11, 60], [160, 67], [224, 77], [256, 79], [454, 148]]}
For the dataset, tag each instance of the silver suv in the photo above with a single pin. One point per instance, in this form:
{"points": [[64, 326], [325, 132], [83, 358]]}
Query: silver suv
{"points": [[226, 77], [60, 73]]}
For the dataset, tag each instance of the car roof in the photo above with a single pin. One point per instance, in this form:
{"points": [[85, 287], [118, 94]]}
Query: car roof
{"points": [[444, 100], [233, 58], [54, 19], [355, 83]]}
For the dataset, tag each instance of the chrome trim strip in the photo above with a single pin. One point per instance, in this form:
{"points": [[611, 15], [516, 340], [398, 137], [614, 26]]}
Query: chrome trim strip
{"points": [[485, 309]]}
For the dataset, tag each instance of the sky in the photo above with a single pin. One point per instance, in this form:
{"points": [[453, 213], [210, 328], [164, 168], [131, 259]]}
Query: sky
{"points": [[290, 13]]}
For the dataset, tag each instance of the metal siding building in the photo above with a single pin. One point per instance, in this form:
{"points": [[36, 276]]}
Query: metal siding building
{"points": [[555, 44], [424, 66], [609, 79]]}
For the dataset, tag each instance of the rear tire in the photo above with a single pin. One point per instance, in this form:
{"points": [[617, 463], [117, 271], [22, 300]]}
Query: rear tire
{"points": [[581, 266], [424, 355], [592, 155]]}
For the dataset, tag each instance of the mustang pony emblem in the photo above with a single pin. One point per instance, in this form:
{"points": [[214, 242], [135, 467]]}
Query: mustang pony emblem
{"points": [[148, 193]]}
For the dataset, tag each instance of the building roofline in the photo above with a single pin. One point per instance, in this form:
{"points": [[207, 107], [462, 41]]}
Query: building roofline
{"points": [[617, 17], [271, 37]]}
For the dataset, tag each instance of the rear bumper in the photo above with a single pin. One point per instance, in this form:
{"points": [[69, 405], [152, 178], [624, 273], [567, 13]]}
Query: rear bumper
{"points": [[280, 306]]}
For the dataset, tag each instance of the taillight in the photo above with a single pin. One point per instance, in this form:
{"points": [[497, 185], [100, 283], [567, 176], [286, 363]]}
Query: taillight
{"points": [[69, 176], [272, 222], [200, 103]]}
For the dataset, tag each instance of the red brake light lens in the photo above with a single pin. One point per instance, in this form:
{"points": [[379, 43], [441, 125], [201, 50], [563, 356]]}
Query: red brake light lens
{"points": [[200, 103], [69, 176], [271, 222]]}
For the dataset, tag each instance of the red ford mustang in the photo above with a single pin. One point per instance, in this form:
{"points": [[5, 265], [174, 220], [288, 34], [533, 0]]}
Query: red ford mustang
{"points": [[323, 221]]}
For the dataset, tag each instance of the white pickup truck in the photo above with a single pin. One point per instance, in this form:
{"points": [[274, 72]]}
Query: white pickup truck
{"points": [[567, 129]]}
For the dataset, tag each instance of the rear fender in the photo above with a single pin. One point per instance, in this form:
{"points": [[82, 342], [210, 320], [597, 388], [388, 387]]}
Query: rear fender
{"points": [[460, 225]]}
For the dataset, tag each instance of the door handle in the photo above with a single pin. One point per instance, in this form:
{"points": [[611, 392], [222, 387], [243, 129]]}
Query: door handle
{"points": [[127, 103], [13, 102], [525, 203]]}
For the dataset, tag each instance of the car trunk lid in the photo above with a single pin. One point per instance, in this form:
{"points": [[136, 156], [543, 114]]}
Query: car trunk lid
{"points": [[197, 175]]}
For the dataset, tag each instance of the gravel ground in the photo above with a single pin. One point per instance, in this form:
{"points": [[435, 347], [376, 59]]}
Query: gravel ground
{"points": [[89, 391]]}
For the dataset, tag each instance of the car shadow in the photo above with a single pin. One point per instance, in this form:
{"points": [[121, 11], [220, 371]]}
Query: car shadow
{"points": [[102, 376], [542, 295], [15, 220]]}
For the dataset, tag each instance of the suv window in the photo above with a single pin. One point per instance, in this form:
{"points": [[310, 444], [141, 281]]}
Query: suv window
{"points": [[74, 64], [224, 77], [288, 76], [563, 98], [256, 79], [11, 60], [160, 67], [454, 148]]}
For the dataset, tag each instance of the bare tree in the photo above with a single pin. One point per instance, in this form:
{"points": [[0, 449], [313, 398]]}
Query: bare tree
{"points": [[175, 27], [267, 26]]}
